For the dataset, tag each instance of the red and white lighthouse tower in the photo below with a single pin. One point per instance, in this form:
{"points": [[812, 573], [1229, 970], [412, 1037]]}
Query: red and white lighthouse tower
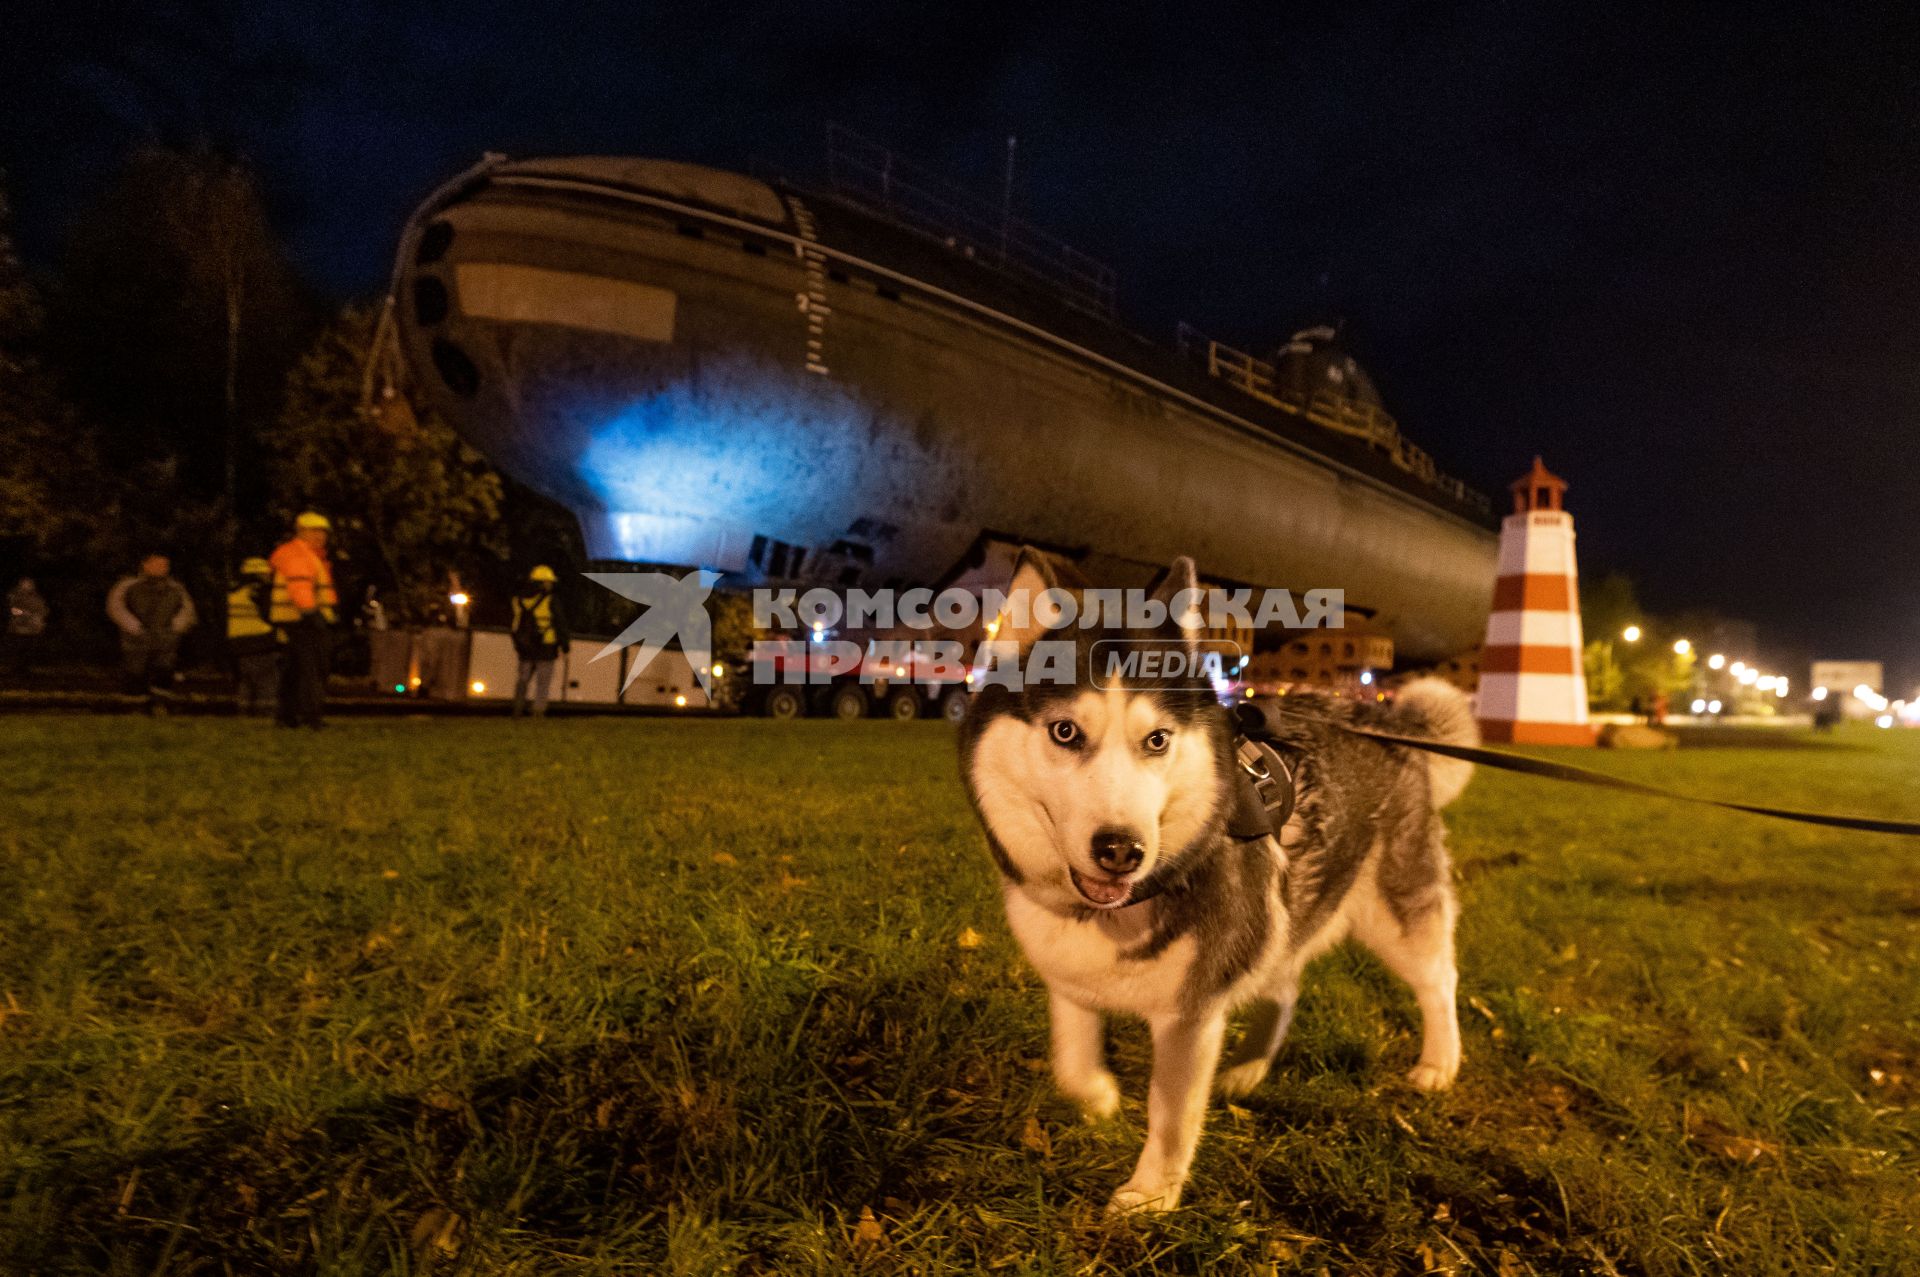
{"points": [[1533, 688]]}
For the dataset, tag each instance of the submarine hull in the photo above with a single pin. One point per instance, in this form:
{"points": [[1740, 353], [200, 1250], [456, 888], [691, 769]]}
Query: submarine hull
{"points": [[711, 371]]}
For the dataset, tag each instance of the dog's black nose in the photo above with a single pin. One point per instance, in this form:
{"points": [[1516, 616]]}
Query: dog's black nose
{"points": [[1117, 851]]}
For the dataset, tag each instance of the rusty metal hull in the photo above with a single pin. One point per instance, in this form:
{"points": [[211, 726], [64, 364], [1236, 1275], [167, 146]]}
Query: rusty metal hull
{"points": [[713, 372]]}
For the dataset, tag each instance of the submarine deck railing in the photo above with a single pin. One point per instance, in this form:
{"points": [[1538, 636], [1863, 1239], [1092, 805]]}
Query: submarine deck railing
{"points": [[1374, 426], [868, 172]]}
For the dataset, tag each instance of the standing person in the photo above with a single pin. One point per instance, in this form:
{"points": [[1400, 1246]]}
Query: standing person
{"points": [[26, 622], [152, 611], [373, 613], [539, 636], [303, 603], [252, 641]]}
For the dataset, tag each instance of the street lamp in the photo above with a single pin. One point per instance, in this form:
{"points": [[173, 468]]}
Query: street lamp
{"points": [[1716, 661], [1681, 647], [1631, 634]]}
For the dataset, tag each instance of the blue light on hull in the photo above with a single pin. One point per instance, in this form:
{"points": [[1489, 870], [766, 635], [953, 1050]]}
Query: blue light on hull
{"points": [[689, 473]]}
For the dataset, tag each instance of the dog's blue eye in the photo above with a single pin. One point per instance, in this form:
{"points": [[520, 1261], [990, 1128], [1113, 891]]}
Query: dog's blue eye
{"points": [[1064, 731], [1158, 740]]}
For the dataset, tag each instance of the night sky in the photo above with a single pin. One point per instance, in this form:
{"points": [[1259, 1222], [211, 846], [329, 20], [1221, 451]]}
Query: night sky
{"points": [[1675, 251]]}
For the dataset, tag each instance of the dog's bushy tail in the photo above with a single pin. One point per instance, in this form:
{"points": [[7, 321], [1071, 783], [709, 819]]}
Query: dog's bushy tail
{"points": [[1436, 709]]}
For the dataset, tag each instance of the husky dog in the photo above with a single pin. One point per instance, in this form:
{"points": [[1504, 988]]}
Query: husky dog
{"points": [[1109, 805]]}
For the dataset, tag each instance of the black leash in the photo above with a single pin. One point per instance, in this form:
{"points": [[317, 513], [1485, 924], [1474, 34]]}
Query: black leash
{"points": [[1251, 719]]}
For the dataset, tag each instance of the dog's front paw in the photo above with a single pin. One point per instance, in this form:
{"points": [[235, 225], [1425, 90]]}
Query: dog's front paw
{"points": [[1135, 1197], [1432, 1077], [1097, 1094], [1232, 1083]]}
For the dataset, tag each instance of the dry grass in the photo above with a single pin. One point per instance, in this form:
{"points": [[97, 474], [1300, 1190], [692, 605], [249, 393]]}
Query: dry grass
{"points": [[691, 997]]}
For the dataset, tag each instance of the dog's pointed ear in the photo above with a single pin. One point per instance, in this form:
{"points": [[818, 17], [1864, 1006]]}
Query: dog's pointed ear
{"points": [[1024, 618], [1179, 589]]}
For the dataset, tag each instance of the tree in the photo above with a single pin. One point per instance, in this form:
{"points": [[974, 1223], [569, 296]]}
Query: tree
{"points": [[178, 314], [55, 497], [409, 501], [1608, 606], [1605, 680]]}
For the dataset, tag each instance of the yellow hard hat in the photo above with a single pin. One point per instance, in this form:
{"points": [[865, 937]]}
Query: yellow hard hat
{"points": [[542, 573], [255, 566], [311, 519]]}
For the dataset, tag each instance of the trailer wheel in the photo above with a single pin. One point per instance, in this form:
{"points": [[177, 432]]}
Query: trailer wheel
{"points": [[904, 705], [784, 702], [848, 701], [953, 706]]}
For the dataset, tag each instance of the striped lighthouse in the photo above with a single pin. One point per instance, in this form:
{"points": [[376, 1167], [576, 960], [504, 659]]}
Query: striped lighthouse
{"points": [[1533, 690]]}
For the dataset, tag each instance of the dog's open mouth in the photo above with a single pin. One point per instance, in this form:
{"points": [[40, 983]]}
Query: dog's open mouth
{"points": [[1101, 893]]}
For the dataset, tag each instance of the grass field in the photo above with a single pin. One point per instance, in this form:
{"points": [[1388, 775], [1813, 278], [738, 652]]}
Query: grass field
{"points": [[704, 996]]}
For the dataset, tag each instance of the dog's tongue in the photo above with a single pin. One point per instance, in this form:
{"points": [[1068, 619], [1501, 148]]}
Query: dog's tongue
{"points": [[1101, 891]]}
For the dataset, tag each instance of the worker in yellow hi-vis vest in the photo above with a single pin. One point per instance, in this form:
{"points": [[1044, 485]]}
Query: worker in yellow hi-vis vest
{"points": [[539, 637], [303, 608], [252, 641]]}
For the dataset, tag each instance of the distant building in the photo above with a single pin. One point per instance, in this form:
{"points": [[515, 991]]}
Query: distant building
{"points": [[1342, 660], [1463, 671], [1840, 678]]}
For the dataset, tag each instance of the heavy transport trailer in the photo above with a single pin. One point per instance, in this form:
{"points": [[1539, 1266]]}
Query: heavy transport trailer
{"points": [[901, 685], [793, 388]]}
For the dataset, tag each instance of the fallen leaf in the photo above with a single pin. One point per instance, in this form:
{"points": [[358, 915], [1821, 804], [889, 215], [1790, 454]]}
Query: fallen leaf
{"points": [[1035, 1137], [438, 1229], [1742, 1150], [724, 858], [869, 1231], [970, 939], [789, 881]]}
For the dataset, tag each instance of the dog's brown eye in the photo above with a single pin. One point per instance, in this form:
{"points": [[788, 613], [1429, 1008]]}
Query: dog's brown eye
{"points": [[1064, 731], [1158, 740]]}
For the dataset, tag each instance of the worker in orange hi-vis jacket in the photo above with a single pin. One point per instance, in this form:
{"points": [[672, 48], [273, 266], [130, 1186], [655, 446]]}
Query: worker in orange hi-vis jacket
{"points": [[303, 607]]}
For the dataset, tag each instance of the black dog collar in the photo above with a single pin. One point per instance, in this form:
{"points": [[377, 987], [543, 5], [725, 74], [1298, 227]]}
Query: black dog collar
{"points": [[1263, 798]]}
